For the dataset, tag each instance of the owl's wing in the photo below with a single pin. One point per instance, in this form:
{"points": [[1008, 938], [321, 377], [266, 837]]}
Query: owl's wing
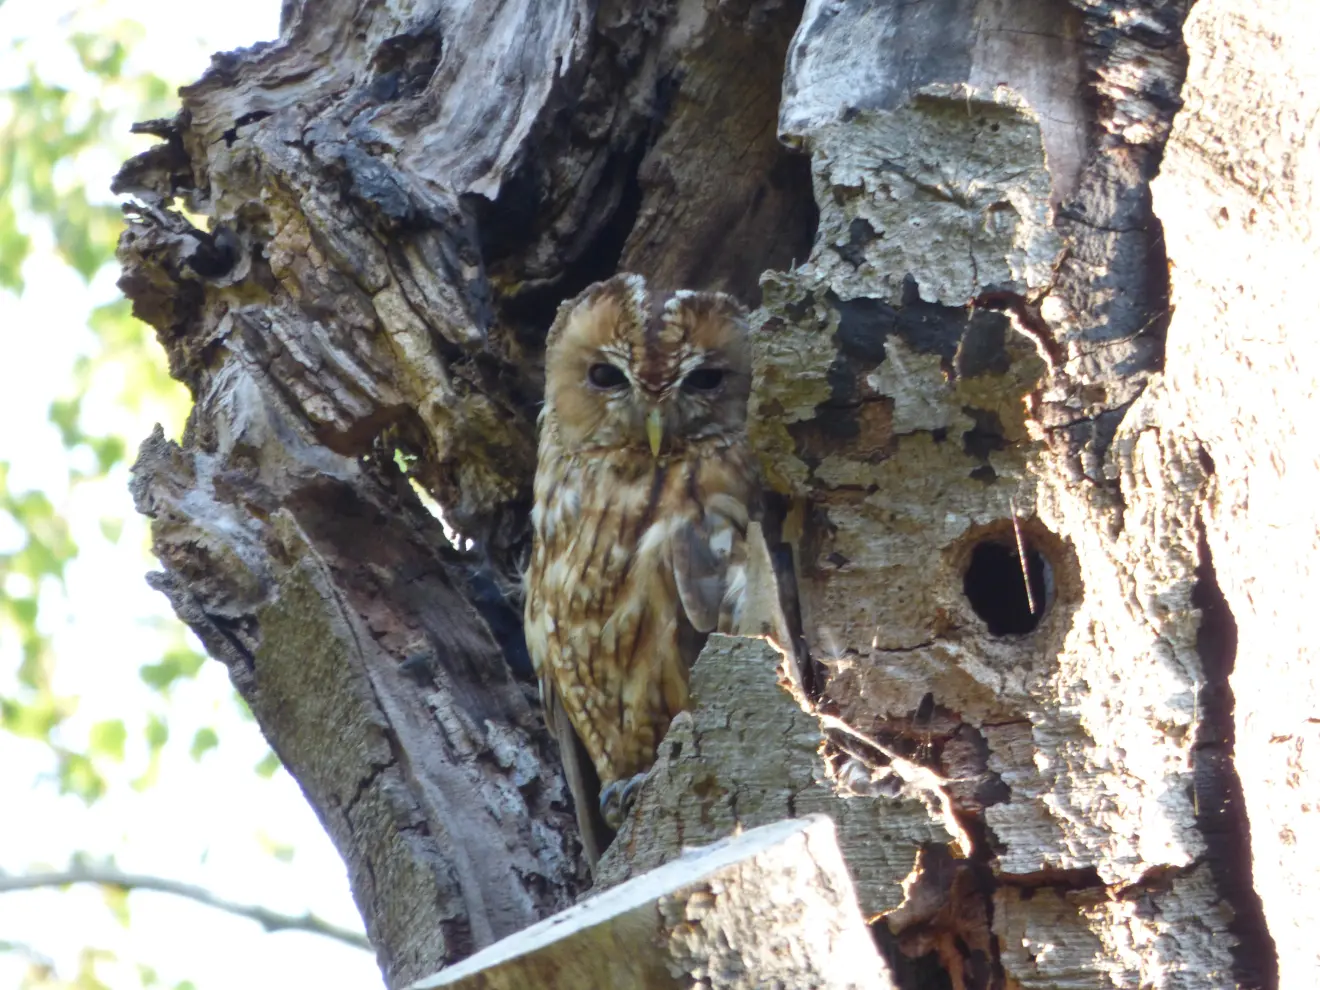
{"points": [[709, 556], [580, 773]]}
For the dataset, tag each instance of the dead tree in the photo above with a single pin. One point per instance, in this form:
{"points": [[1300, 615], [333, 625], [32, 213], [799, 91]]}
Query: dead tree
{"points": [[1025, 510]]}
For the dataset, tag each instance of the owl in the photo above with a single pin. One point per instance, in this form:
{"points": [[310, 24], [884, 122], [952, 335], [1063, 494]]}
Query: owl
{"points": [[644, 487]]}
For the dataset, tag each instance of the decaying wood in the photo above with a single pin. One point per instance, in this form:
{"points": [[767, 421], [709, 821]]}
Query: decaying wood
{"points": [[772, 907], [976, 345], [1237, 193], [985, 304], [397, 199], [713, 777]]}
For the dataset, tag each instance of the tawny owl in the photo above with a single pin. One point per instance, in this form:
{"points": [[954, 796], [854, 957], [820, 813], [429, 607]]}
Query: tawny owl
{"points": [[644, 484]]}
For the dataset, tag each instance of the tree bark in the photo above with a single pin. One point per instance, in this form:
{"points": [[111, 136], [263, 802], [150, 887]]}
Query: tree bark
{"points": [[770, 908], [1237, 191], [968, 386]]}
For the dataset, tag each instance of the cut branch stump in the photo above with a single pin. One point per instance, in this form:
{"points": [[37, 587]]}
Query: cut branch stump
{"points": [[773, 907]]}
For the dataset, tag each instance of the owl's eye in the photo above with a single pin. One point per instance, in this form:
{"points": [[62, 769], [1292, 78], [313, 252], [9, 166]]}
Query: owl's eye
{"points": [[704, 379], [606, 376]]}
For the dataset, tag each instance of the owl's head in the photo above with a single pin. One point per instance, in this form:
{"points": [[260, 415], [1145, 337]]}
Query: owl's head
{"points": [[628, 368]]}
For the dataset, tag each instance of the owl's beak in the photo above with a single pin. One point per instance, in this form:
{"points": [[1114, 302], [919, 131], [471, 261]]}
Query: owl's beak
{"points": [[655, 430]]}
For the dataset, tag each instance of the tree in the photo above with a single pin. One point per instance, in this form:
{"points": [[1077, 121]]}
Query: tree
{"points": [[992, 471]]}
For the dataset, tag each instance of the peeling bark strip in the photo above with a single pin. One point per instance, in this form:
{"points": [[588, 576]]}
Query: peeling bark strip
{"points": [[398, 198]]}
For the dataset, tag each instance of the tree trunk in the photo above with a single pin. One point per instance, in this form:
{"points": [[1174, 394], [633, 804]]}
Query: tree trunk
{"points": [[996, 469]]}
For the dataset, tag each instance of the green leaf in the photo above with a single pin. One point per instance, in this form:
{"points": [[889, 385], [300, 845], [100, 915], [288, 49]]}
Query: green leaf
{"points": [[109, 451], [100, 54], [147, 778], [78, 776], [116, 899], [158, 733], [268, 765], [34, 669], [49, 547], [85, 232], [87, 978], [281, 851], [204, 740], [64, 414], [108, 738], [14, 246], [23, 611], [175, 664], [35, 719]]}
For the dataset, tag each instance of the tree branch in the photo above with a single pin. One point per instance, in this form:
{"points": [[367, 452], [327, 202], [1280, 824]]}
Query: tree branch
{"points": [[271, 921]]}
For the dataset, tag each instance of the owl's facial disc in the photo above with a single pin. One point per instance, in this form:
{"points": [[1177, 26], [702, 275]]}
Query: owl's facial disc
{"points": [[677, 407], [628, 370]]}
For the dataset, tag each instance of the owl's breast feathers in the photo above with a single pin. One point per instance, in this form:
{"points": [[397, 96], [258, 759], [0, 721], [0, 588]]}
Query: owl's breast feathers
{"points": [[635, 560]]}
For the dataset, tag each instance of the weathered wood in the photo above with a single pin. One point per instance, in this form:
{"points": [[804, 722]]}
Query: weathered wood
{"points": [[973, 340], [342, 618], [713, 777], [397, 199], [770, 908], [1237, 193], [968, 362]]}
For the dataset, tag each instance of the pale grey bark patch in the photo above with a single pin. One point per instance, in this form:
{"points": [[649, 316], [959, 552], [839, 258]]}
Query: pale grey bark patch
{"points": [[946, 191]]}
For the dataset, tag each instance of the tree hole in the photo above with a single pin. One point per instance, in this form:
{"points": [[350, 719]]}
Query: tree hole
{"points": [[995, 587]]}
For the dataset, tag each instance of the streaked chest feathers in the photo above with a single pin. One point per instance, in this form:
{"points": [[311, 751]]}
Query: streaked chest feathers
{"points": [[644, 486]]}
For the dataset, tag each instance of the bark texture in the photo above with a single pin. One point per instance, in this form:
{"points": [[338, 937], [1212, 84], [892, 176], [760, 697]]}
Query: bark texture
{"points": [[713, 776], [971, 342], [398, 198], [1238, 195], [966, 369], [770, 908]]}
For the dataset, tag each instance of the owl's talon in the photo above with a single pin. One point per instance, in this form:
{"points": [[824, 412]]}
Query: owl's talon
{"points": [[616, 799]]}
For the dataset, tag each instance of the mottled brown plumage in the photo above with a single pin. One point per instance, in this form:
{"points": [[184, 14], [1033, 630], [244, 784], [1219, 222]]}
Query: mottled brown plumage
{"points": [[644, 483]]}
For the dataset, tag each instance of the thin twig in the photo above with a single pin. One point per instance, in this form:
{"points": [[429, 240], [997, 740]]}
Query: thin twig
{"points": [[909, 770], [271, 921], [1022, 556], [35, 959]]}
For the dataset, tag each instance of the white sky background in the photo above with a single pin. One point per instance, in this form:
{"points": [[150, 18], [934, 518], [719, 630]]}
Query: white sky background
{"points": [[210, 822]]}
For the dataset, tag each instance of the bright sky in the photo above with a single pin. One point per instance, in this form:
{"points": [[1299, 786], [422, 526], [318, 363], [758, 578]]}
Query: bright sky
{"points": [[211, 822]]}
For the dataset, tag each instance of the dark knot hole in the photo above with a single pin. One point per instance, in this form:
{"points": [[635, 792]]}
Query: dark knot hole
{"points": [[997, 591]]}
